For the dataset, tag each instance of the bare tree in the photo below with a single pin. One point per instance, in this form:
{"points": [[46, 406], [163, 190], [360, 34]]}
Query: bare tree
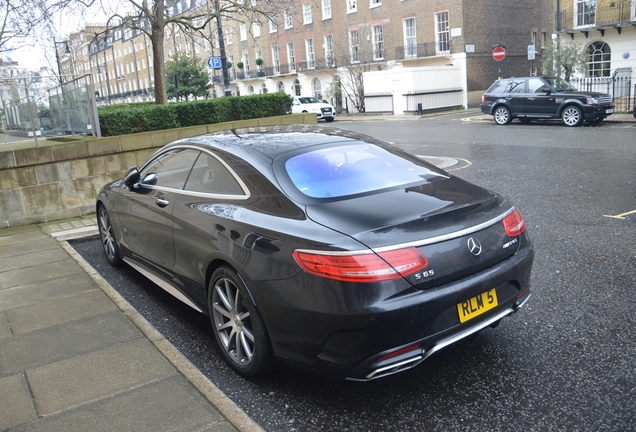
{"points": [[20, 19], [191, 16], [354, 54]]}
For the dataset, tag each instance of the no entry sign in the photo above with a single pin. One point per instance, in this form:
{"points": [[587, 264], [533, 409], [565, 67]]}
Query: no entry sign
{"points": [[499, 53]]}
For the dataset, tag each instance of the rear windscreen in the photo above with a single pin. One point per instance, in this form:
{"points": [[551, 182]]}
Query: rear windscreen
{"points": [[353, 169]]}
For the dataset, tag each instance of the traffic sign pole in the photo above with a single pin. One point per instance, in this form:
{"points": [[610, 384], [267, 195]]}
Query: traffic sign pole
{"points": [[499, 53]]}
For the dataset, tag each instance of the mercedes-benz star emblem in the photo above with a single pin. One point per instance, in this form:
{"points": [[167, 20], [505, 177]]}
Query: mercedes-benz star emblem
{"points": [[474, 246]]}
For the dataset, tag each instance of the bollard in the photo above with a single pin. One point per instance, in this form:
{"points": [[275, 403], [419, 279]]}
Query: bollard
{"points": [[419, 109]]}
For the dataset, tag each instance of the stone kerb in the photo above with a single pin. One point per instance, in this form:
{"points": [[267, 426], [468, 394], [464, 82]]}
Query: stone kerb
{"points": [[49, 183]]}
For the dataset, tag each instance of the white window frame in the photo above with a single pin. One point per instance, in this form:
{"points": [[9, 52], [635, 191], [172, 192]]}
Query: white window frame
{"points": [[276, 58], [310, 52], [273, 27], [291, 56], [288, 18], [410, 37], [243, 31], [329, 54], [307, 19], [354, 45], [352, 6], [229, 35], [585, 13], [326, 9], [442, 32], [256, 29], [246, 62], [377, 35], [374, 3]]}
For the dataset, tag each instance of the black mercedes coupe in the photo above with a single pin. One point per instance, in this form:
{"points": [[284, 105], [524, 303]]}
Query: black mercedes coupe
{"points": [[320, 248]]}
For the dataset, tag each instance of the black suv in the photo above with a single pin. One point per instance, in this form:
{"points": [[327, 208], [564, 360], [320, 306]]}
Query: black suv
{"points": [[530, 98]]}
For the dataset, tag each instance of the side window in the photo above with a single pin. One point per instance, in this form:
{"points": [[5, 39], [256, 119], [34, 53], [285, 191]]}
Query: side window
{"points": [[516, 86], [536, 85], [169, 169], [210, 175], [498, 86]]}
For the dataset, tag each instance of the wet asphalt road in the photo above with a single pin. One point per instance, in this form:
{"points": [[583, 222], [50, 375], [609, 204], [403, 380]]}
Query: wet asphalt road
{"points": [[565, 362]]}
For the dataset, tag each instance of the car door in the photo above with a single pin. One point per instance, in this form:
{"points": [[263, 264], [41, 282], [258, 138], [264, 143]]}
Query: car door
{"points": [[515, 93], [146, 212], [540, 100]]}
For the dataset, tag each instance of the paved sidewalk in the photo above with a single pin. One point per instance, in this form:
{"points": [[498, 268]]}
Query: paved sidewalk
{"points": [[75, 356]]}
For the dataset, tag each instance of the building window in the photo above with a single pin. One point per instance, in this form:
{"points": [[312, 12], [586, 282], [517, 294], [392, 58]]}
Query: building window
{"points": [[246, 63], [354, 45], [291, 56], [229, 35], [410, 38], [326, 9], [256, 28], [329, 55], [289, 19], [378, 42], [352, 6], [311, 54], [307, 13], [375, 3], [280, 87], [585, 11], [599, 60], [259, 55], [317, 87], [273, 28], [243, 31], [276, 59], [442, 33]]}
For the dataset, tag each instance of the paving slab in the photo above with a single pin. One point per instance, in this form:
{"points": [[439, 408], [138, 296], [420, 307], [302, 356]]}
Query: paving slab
{"points": [[16, 406], [23, 247], [167, 405], [20, 296], [39, 273], [71, 382], [64, 341], [59, 311]]}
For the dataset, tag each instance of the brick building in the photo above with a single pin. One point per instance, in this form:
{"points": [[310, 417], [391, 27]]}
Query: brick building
{"points": [[317, 46]]}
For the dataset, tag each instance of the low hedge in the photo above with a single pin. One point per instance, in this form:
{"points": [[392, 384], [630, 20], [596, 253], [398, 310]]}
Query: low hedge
{"points": [[145, 117]]}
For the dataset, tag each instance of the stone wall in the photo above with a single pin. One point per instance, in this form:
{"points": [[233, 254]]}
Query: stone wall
{"points": [[60, 181]]}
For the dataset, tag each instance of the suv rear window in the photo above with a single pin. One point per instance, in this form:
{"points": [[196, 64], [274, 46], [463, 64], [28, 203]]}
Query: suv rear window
{"points": [[353, 169]]}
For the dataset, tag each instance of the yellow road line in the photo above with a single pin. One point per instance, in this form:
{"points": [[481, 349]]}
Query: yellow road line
{"points": [[620, 216]]}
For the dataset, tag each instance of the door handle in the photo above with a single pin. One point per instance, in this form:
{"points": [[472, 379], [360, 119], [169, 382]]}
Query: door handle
{"points": [[162, 202]]}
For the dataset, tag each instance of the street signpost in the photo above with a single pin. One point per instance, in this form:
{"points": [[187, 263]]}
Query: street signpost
{"points": [[531, 56], [499, 53]]}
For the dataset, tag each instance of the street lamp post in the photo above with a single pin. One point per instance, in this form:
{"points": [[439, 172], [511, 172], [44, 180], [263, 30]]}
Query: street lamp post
{"points": [[219, 27]]}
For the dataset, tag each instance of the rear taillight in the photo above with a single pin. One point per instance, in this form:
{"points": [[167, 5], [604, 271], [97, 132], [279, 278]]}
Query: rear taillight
{"points": [[483, 99], [361, 267], [514, 224]]}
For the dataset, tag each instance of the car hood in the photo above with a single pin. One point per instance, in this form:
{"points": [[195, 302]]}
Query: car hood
{"points": [[408, 215]]}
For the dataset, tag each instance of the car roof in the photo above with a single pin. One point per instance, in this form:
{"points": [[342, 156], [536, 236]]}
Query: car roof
{"points": [[273, 141]]}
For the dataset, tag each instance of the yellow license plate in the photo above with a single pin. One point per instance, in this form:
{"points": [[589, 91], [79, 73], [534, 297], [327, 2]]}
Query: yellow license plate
{"points": [[477, 305]]}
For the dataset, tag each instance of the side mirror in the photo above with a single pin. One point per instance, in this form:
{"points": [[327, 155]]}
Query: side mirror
{"points": [[131, 178]]}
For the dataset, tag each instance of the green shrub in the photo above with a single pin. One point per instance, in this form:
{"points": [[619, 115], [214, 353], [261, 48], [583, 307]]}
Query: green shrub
{"points": [[147, 116]]}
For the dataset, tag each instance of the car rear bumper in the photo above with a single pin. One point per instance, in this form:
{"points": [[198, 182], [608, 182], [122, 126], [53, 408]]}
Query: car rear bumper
{"points": [[355, 336]]}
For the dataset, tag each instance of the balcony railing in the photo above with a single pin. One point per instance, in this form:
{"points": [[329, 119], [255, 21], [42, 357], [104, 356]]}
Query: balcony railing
{"points": [[597, 16], [422, 49]]}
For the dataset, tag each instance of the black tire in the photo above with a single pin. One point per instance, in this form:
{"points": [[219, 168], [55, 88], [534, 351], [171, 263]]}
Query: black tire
{"points": [[502, 115], [238, 328], [572, 116], [107, 236]]}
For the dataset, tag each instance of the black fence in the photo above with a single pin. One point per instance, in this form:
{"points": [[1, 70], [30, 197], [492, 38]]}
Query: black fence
{"points": [[619, 87]]}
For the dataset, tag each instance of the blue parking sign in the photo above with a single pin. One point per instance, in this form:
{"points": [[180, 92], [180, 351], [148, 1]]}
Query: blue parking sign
{"points": [[214, 62]]}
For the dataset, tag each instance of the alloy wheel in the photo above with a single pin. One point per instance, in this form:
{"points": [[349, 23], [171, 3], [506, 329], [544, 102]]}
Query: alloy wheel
{"points": [[232, 322]]}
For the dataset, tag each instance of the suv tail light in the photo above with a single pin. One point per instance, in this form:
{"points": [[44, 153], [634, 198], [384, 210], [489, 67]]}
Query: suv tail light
{"points": [[483, 99], [514, 224], [361, 267]]}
